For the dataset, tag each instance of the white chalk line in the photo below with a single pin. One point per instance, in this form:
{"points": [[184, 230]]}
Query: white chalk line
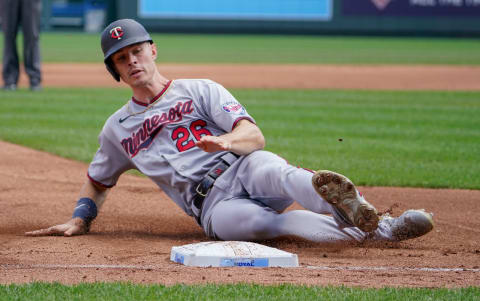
{"points": [[148, 268], [78, 266], [396, 269]]}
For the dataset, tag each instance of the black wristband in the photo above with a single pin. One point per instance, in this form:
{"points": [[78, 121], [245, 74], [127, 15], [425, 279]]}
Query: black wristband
{"points": [[86, 209]]}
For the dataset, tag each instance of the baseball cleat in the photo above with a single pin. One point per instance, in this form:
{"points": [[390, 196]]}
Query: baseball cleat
{"points": [[411, 224], [350, 205]]}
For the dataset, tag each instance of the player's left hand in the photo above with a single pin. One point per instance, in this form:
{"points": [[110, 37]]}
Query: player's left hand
{"points": [[214, 144]]}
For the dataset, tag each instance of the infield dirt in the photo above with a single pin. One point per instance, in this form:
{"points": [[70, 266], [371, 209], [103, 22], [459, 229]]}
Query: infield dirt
{"points": [[132, 237], [381, 77]]}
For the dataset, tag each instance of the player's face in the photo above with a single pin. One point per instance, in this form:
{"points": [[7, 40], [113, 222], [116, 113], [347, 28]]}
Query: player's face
{"points": [[136, 63]]}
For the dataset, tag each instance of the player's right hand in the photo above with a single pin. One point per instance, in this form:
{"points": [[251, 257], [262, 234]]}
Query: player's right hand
{"points": [[75, 226], [213, 144]]}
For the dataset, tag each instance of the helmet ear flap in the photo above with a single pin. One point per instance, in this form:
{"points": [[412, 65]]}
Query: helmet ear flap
{"points": [[112, 70]]}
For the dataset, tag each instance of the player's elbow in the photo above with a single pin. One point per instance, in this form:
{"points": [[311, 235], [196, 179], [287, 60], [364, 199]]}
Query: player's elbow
{"points": [[257, 138], [260, 141]]}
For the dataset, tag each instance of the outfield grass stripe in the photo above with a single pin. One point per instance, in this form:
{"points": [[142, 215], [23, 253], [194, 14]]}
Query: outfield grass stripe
{"points": [[219, 48], [324, 268], [415, 139]]}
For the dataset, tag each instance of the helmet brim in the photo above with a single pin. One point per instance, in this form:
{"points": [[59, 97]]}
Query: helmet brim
{"points": [[125, 43]]}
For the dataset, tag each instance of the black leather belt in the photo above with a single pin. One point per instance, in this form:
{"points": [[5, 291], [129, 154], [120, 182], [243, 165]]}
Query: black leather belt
{"points": [[202, 189]]}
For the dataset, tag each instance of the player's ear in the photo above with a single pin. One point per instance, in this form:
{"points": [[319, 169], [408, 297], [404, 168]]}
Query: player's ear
{"points": [[154, 51]]}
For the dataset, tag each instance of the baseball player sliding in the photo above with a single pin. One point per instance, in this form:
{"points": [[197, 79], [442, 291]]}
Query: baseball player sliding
{"points": [[200, 146]]}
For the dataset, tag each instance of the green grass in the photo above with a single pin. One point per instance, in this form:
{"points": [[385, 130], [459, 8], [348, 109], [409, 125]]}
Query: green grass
{"points": [[419, 139], [125, 291], [191, 48]]}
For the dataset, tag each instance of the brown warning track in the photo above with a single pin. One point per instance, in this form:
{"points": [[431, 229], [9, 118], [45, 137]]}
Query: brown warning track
{"points": [[381, 77]]}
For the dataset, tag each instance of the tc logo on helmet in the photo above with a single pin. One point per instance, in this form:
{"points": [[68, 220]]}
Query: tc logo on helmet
{"points": [[116, 33]]}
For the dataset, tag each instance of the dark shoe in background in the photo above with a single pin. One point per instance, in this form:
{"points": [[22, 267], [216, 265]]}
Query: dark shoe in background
{"points": [[36, 88], [10, 87]]}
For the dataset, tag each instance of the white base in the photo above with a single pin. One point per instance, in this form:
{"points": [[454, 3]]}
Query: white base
{"points": [[232, 254]]}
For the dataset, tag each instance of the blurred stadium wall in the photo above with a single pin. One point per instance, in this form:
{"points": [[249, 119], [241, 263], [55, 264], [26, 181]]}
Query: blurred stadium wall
{"points": [[365, 17]]}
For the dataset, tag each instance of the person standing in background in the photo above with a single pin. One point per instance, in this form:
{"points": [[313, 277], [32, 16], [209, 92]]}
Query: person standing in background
{"points": [[24, 13]]}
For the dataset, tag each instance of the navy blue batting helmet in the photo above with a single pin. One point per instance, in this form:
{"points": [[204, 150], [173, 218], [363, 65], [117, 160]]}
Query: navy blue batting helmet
{"points": [[119, 34]]}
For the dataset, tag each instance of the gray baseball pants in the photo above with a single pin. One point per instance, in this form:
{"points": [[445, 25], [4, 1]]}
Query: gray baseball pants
{"points": [[260, 187]]}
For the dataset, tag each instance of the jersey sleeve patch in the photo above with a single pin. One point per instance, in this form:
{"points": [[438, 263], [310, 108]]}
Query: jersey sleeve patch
{"points": [[233, 107]]}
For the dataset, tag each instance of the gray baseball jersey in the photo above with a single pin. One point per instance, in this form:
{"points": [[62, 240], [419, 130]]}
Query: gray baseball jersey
{"points": [[159, 139], [247, 201]]}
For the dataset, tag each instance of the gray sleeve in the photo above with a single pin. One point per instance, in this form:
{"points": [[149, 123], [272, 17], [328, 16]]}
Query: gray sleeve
{"points": [[108, 163], [223, 108]]}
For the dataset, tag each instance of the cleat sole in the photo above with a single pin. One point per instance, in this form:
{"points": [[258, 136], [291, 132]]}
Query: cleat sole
{"points": [[340, 192]]}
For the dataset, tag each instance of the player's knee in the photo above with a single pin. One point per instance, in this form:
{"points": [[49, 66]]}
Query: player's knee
{"points": [[268, 168], [266, 161]]}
